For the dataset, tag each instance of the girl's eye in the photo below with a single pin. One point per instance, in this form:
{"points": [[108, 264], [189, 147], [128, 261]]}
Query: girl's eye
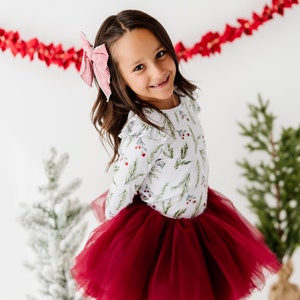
{"points": [[161, 53], [138, 68]]}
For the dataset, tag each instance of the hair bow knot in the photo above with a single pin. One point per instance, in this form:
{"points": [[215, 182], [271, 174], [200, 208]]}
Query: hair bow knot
{"points": [[94, 62]]}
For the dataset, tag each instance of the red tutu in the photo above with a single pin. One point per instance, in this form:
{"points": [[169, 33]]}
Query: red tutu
{"points": [[143, 255]]}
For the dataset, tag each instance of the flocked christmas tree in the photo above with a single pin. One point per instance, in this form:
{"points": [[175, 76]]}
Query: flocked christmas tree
{"points": [[56, 229], [273, 179]]}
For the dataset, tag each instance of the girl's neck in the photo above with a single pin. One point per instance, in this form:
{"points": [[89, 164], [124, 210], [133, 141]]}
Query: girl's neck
{"points": [[173, 102]]}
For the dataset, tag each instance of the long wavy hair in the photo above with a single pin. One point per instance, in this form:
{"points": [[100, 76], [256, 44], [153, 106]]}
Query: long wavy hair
{"points": [[110, 117]]}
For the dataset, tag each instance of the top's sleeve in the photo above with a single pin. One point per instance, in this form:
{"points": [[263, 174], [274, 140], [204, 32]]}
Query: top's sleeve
{"points": [[139, 147]]}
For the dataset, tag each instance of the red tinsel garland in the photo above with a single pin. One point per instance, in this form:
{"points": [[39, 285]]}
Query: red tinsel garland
{"points": [[209, 44], [212, 41]]}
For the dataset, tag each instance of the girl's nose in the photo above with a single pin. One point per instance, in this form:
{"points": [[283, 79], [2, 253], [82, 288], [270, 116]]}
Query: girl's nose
{"points": [[156, 70]]}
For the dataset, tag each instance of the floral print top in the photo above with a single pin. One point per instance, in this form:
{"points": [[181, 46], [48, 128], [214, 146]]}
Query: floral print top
{"points": [[168, 168]]}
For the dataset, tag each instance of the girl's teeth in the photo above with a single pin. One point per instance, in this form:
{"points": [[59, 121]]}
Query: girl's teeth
{"points": [[157, 85]]}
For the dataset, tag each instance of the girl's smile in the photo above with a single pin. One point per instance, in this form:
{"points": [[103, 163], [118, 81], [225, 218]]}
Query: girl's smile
{"points": [[163, 83], [146, 67]]}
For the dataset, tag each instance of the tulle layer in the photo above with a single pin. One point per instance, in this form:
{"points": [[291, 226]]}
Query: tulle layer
{"points": [[143, 255]]}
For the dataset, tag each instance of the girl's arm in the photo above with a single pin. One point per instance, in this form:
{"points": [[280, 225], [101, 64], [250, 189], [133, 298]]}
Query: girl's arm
{"points": [[138, 151]]}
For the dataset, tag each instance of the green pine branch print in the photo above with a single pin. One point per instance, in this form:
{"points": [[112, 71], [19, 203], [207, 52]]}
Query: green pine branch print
{"points": [[162, 192], [153, 153], [166, 206], [168, 125], [198, 173], [153, 173], [123, 197], [116, 168], [197, 208], [132, 173], [195, 108], [203, 154], [195, 139], [169, 152], [184, 184], [176, 116], [146, 126], [193, 104], [179, 213], [181, 160]]}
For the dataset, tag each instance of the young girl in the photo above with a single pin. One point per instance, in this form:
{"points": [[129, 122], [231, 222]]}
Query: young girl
{"points": [[167, 235]]}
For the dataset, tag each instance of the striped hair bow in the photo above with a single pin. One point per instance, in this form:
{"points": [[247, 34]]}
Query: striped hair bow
{"points": [[94, 62]]}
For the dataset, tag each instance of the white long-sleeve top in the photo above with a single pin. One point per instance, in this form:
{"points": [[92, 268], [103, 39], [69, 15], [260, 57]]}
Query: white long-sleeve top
{"points": [[167, 168]]}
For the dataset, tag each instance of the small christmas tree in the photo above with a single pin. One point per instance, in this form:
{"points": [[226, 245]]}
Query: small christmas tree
{"points": [[56, 231], [273, 179]]}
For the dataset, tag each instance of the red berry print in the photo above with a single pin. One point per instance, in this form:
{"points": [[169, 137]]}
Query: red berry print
{"points": [[190, 200], [140, 146], [183, 116], [183, 133]]}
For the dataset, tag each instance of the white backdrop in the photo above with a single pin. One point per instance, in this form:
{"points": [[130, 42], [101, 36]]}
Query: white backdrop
{"points": [[42, 107]]}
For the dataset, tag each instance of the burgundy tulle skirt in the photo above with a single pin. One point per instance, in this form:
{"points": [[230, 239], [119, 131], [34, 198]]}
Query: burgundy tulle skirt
{"points": [[143, 255]]}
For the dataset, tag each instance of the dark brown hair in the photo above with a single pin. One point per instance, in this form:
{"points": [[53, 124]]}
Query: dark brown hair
{"points": [[110, 117]]}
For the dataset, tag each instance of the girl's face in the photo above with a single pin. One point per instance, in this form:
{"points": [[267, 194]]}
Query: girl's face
{"points": [[146, 67]]}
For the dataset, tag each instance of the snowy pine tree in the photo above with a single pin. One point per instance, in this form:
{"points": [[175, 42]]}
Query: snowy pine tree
{"points": [[55, 227]]}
